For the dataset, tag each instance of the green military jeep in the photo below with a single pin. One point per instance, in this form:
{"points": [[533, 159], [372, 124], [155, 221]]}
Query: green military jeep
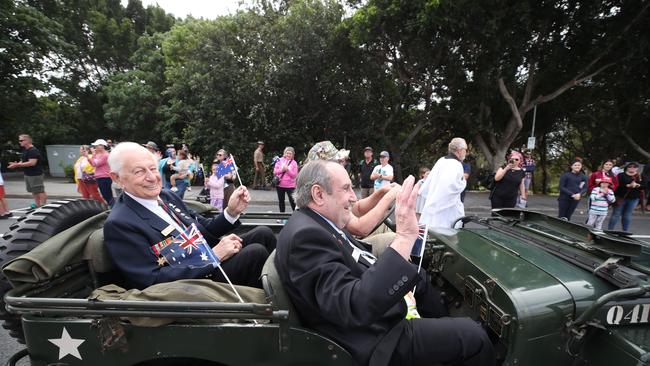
{"points": [[548, 292]]}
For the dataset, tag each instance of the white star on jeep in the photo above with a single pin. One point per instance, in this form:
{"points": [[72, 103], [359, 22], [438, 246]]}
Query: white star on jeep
{"points": [[67, 345]]}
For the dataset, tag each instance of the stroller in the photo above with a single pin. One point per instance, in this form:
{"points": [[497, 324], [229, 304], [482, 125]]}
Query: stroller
{"points": [[204, 195]]}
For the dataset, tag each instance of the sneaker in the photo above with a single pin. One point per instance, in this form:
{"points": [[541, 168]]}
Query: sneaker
{"points": [[174, 189], [6, 216], [189, 188]]}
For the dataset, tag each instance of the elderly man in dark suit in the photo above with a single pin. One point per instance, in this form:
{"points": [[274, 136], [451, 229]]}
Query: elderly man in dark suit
{"points": [[367, 304], [145, 216]]}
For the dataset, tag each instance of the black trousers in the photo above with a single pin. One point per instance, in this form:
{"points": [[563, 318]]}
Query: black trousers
{"points": [[104, 185], [453, 341], [566, 208], [503, 202], [281, 191], [245, 267], [436, 338]]}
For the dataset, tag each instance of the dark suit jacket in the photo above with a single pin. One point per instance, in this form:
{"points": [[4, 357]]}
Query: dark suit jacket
{"points": [[131, 230], [359, 306]]}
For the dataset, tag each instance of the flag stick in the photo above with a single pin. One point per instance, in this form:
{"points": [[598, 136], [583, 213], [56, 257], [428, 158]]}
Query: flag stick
{"points": [[230, 283], [236, 169], [232, 286]]}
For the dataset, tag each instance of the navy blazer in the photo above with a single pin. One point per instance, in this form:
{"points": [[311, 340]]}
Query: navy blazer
{"points": [[131, 230], [359, 305]]}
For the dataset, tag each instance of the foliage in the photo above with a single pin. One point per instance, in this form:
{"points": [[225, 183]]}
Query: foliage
{"points": [[403, 76]]}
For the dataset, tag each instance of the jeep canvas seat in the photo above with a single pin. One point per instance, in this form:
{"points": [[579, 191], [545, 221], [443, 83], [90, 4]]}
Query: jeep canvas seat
{"points": [[275, 291], [100, 263]]}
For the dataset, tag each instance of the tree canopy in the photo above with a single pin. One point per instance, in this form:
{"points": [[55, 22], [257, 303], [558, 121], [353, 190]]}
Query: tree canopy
{"points": [[403, 76]]}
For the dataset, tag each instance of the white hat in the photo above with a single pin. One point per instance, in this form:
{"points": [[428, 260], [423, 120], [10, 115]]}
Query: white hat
{"points": [[100, 142], [343, 154]]}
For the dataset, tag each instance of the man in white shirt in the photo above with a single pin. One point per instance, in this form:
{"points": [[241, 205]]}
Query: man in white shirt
{"points": [[146, 217], [443, 187], [383, 173]]}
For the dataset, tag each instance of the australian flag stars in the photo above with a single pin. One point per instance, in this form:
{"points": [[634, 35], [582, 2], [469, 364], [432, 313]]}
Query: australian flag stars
{"points": [[225, 167], [188, 249]]}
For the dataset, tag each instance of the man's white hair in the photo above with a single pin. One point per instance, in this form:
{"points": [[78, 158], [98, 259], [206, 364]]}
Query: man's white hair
{"points": [[117, 156], [456, 144]]}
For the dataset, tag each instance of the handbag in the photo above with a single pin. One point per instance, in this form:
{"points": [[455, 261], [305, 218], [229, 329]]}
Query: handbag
{"points": [[276, 178], [88, 177]]}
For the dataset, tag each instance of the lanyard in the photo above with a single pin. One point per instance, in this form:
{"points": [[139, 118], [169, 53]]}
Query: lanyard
{"points": [[357, 252], [171, 213]]}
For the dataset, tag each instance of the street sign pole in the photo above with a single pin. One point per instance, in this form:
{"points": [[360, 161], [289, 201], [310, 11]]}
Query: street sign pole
{"points": [[531, 139]]}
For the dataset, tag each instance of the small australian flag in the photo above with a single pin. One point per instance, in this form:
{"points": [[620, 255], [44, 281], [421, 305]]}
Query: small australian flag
{"points": [[418, 247], [189, 249], [225, 167]]}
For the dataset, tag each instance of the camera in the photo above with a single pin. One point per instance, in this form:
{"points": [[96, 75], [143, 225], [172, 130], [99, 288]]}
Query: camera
{"points": [[511, 161]]}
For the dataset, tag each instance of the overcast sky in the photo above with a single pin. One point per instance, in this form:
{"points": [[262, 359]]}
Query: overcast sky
{"points": [[208, 9]]}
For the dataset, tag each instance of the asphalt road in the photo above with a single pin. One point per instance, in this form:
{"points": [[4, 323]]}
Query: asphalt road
{"points": [[9, 346]]}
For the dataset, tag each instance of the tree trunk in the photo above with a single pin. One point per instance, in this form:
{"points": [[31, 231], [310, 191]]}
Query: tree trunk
{"points": [[645, 153], [495, 150]]}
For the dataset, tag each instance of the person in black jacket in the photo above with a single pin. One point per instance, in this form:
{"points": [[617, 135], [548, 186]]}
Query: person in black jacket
{"points": [[366, 304], [645, 176], [629, 191], [145, 217], [573, 184], [509, 183]]}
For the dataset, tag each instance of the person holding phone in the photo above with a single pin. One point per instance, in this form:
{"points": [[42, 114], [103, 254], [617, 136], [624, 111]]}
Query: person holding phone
{"points": [[509, 182], [629, 191], [286, 169]]}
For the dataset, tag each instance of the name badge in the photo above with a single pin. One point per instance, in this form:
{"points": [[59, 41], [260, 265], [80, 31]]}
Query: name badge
{"points": [[168, 230]]}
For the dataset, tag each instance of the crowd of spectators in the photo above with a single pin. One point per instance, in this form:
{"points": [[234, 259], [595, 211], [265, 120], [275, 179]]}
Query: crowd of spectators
{"points": [[624, 188]]}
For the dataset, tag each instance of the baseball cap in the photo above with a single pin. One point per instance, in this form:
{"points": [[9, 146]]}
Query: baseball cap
{"points": [[631, 163], [606, 179], [367, 148], [100, 142], [384, 153], [260, 142], [151, 145]]}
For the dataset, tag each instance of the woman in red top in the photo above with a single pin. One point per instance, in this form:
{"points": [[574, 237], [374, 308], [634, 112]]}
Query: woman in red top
{"points": [[604, 170]]}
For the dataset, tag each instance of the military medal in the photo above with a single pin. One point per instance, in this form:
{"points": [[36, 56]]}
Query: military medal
{"points": [[162, 261]]}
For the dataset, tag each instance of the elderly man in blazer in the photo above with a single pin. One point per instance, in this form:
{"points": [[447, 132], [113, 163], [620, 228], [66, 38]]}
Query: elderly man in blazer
{"points": [[363, 303], [145, 215]]}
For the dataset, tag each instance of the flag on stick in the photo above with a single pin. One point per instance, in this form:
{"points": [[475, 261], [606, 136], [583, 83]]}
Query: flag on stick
{"points": [[187, 249], [225, 167], [419, 245]]}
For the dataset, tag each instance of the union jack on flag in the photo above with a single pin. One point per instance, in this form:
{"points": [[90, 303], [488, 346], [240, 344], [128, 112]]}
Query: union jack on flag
{"points": [[225, 167], [189, 249]]}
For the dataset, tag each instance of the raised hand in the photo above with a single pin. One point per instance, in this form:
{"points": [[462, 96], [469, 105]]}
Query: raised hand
{"points": [[406, 221]]}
